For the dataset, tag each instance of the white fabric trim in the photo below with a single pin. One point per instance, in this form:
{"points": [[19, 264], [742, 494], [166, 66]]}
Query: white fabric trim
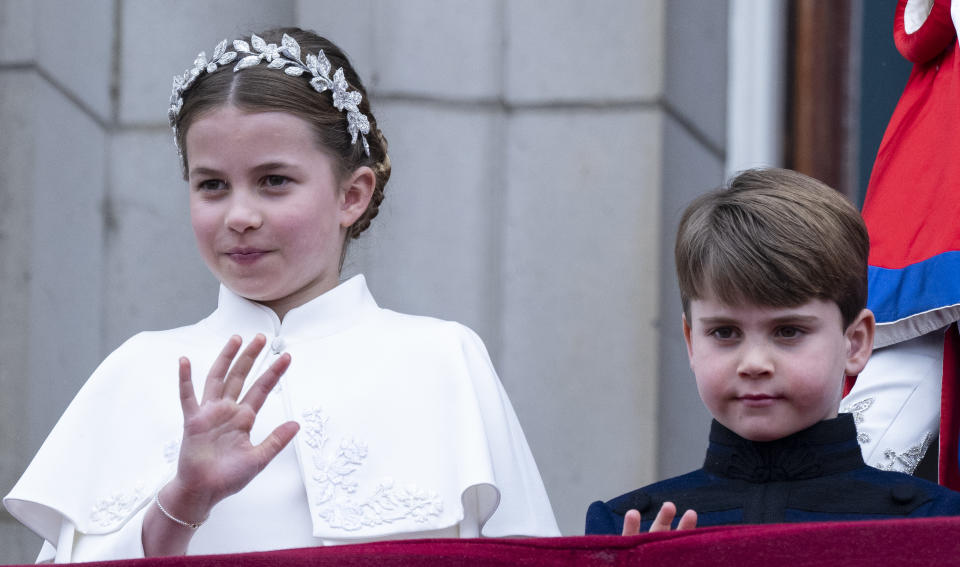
{"points": [[955, 15], [63, 554], [896, 402], [915, 325], [915, 13]]}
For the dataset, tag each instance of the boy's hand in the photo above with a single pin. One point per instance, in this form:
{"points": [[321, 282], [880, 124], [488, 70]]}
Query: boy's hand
{"points": [[631, 521]]}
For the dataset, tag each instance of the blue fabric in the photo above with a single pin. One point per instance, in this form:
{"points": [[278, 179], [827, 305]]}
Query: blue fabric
{"points": [[815, 475], [930, 284]]}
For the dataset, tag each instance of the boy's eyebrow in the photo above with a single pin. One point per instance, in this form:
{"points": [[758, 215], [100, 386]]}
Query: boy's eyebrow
{"points": [[797, 318], [789, 318], [716, 320]]}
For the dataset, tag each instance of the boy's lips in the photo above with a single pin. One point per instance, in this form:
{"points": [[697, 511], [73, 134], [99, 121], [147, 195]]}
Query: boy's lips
{"points": [[758, 400]]}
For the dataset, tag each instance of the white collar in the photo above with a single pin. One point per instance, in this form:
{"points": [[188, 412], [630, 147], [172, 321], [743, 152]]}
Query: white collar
{"points": [[337, 309]]}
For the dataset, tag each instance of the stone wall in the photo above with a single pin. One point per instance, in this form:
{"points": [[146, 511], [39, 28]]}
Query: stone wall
{"points": [[541, 152]]}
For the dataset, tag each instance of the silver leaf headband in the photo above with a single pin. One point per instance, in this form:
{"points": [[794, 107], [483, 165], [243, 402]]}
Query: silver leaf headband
{"points": [[286, 57]]}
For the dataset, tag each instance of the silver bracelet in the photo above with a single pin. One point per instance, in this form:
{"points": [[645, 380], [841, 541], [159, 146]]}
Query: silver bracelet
{"points": [[191, 525]]}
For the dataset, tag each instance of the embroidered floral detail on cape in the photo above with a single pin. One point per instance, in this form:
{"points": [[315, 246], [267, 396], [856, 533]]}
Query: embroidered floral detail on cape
{"points": [[337, 500], [111, 511], [858, 410], [114, 509], [908, 460]]}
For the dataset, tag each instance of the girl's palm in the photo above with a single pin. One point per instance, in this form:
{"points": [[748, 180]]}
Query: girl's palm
{"points": [[217, 458]]}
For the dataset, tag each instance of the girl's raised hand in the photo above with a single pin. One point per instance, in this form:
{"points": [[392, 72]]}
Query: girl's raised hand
{"points": [[217, 458]]}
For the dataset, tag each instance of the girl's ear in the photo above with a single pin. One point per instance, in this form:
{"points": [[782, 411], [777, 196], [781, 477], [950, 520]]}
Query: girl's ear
{"points": [[355, 195], [859, 337]]}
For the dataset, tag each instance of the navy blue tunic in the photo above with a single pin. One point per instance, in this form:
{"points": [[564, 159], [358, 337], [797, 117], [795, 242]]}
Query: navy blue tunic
{"points": [[814, 475]]}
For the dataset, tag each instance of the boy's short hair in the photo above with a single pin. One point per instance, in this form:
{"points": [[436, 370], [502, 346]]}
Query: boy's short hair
{"points": [[777, 238]]}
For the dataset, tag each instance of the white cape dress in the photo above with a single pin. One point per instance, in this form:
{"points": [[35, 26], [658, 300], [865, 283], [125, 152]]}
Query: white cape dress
{"points": [[406, 431]]}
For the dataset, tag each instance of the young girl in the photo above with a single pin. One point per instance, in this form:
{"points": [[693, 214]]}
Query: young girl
{"points": [[363, 423]]}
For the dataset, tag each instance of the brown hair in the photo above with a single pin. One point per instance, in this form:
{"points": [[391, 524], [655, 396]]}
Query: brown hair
{"points": [[259, 89], [777, 238]]}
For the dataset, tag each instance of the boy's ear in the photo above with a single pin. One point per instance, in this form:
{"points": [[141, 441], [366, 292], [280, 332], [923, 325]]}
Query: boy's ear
{"points": [[355, 194], [686, 336], [859, 337]]}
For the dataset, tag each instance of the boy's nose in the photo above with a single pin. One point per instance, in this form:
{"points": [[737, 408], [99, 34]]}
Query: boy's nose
{"points": [[242, 215], [755, 362]]}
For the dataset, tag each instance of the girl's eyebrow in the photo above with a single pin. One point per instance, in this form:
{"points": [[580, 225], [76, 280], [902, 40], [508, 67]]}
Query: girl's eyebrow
{"points": [[273, 166], [203, 171], [263, 167]]}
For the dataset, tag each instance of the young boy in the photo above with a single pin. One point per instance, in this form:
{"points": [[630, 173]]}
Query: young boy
{"points": [[773, 279]]}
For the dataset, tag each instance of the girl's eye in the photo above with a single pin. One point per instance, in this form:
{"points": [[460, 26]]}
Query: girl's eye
{"points": [[724, 333], [275, 181], [211, 185]]}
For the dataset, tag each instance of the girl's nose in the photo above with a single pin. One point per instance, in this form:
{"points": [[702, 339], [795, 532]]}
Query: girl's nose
{"points": [[243, 214]]}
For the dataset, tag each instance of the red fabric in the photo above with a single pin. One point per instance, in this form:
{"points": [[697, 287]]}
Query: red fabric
{"points": [[911, 209], [912, 205], [921, 542], [949, 473], [848, 384], [933, 36]]}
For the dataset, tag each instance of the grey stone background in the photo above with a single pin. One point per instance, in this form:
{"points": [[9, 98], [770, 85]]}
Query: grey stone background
{"points": [[542, 152]]}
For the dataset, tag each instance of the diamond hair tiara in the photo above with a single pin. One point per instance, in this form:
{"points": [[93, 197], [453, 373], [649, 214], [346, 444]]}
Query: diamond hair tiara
{"points": [[286, 56]]}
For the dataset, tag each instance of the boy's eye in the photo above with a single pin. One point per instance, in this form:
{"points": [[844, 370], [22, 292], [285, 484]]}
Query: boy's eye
{"points": [[724, 333], [789, 332]]}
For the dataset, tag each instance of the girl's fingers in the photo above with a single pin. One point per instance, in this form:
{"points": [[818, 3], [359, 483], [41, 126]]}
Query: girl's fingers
{"points": [[275, 442], [188, 400], [213, 387], [258, 392], [241, 367]]}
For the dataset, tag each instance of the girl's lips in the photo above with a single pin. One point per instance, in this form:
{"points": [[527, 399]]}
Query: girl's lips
{"points": [[245, 255]]}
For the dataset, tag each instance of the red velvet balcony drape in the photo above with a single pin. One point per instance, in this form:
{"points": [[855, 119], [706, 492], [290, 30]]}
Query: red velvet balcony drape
{"points": [[921, 542]]}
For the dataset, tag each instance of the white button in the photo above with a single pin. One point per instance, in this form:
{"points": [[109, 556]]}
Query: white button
{"points": [[277, 345]]}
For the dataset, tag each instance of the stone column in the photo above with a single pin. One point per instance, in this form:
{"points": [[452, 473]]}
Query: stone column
{"points": [[694, 140], [55, 65]]}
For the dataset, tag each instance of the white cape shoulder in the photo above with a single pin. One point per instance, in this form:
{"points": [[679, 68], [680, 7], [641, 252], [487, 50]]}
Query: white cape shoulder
{"points": [[405, 428], [91, 468]]}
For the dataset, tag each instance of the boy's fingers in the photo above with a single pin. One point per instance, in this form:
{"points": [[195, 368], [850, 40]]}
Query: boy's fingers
{"points": [[688, 521], [631, 523], [664, 518]]}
